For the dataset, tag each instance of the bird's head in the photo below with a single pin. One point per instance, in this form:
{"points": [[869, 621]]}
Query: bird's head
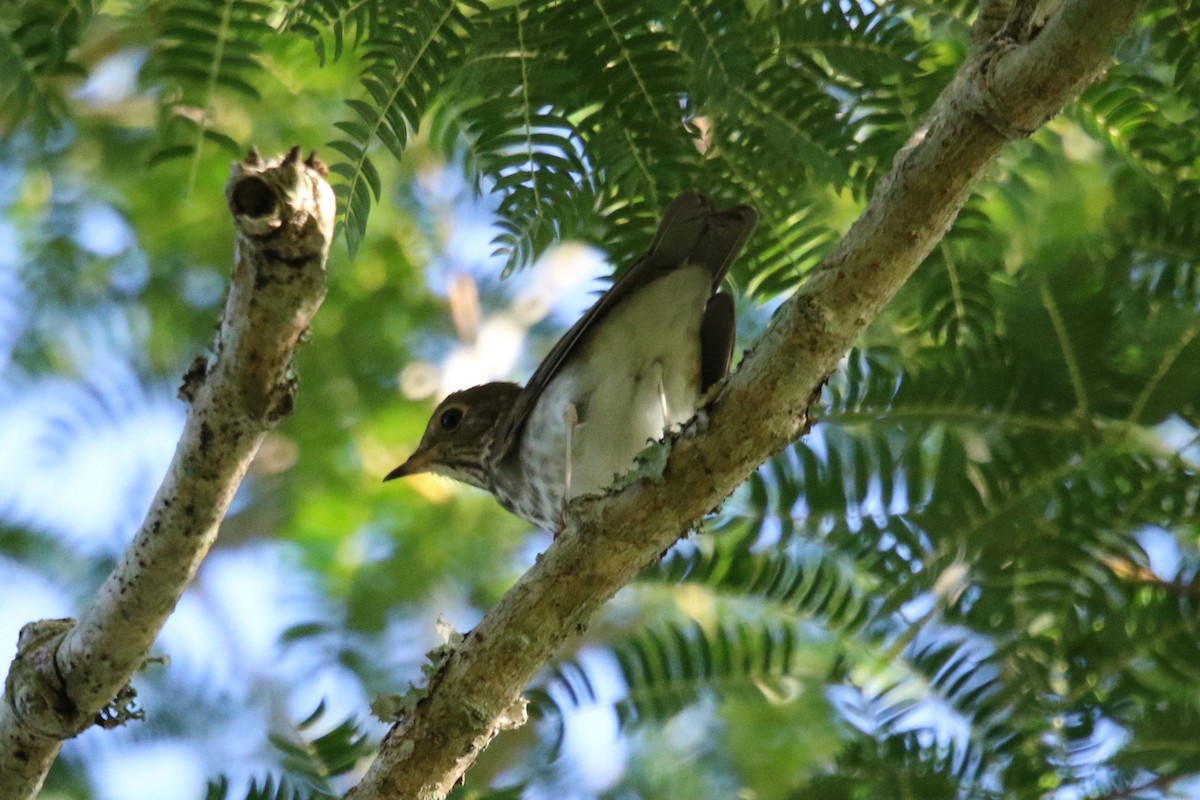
{"points": [[459, 433]]}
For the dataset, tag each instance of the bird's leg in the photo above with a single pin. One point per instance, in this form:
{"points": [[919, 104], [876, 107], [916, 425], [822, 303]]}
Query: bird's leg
{"points": [[571, 418], [662, 399]]}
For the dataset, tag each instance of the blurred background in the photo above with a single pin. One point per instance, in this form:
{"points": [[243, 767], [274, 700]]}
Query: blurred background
{"points": [[976, 577]]}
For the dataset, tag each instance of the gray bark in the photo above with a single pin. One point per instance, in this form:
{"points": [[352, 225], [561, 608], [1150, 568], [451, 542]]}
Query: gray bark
{"points": [[68, 675]]}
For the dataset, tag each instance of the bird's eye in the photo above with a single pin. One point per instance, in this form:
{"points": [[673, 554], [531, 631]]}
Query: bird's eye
{"points": [[451, 418]]}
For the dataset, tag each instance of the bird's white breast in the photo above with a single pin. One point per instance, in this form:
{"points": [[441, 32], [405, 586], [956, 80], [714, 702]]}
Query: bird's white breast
{"points": [[645, 354]]}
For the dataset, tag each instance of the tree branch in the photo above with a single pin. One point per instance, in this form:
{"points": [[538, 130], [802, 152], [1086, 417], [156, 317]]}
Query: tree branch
{"points": [[67, 676], [1006, 90]]}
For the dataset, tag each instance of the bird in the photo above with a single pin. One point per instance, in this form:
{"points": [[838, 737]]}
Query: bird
{"points": [[632, 367]]}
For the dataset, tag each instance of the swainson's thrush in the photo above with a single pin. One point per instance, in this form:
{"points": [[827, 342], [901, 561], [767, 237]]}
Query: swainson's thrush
{"points": [[632, 366]]}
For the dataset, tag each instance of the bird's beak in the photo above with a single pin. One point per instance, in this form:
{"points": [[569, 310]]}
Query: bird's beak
{"points": [[417, 463]]}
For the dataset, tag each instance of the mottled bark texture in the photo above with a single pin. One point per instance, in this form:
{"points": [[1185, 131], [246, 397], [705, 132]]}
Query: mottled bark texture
{"points": [[1007, 89], [70, 674]]}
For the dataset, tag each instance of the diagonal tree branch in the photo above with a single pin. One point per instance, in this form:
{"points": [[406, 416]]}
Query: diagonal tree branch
{"points": [[1004, 91], [69, 675]]}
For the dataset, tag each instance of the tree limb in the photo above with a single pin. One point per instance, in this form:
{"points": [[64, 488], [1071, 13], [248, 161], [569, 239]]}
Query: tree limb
{"points": [[67, 675], [1006, 90]]}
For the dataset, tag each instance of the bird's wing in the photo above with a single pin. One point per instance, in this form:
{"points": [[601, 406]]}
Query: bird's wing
{"points": [[718, 329], [691, 232]]}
